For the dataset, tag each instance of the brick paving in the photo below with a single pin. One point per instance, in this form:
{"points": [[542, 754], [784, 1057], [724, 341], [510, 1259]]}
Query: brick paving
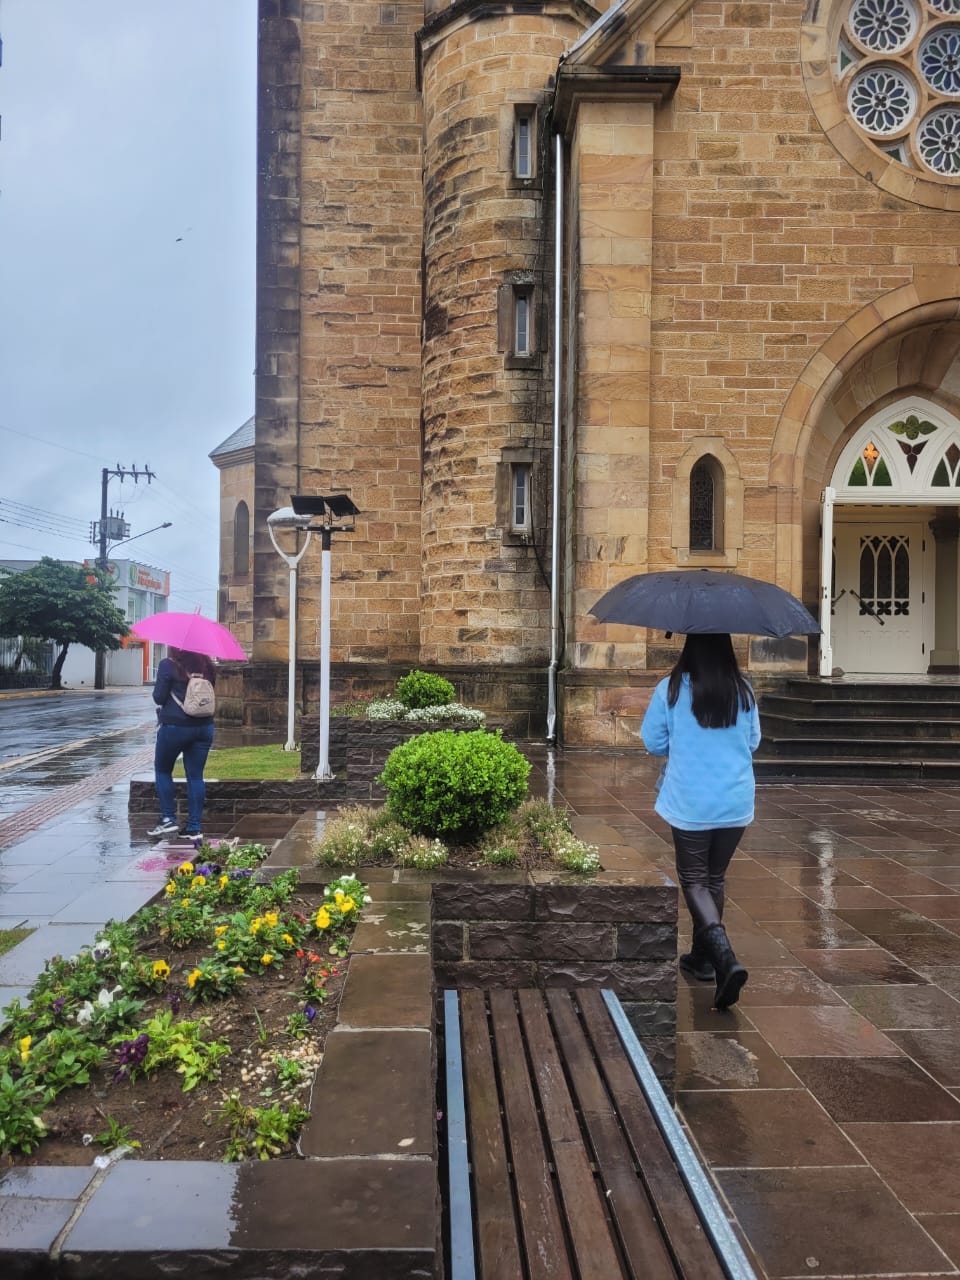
{"points": [[61, 799]]}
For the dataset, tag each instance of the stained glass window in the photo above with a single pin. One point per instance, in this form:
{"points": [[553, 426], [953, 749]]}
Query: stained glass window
{"points": [[870, 469], [947, 474], [883, 97], [939, 60], [883, 26], [882, 100]]}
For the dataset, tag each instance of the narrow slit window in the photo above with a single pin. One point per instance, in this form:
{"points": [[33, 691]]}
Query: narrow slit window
{"points": [[523, 134], [522, 322], [241, 540], [520, 497]]}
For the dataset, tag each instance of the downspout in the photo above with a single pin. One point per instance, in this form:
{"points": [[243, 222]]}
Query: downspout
{"points": [[827, 500], [557, 372]]}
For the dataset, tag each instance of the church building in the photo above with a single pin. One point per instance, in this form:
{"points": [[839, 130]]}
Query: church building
{"points": [[560, 293]]}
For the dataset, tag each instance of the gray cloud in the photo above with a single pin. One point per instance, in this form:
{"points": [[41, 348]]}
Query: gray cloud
{"points": [[127, 237]]}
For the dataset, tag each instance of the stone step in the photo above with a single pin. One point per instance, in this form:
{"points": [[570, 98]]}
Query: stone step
{"points": [[777, 725], [862, 746], [854, 769], [869, 707]]}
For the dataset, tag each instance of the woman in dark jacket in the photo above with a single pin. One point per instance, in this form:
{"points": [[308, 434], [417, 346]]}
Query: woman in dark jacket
{"points": [[181, 734]]}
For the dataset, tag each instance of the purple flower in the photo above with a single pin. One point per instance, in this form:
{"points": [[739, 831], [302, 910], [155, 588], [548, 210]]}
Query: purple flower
{"points": [[309, 1013], [57, 1007], [131, 1053], [240, 873], [173, 1000], [208, 869]]}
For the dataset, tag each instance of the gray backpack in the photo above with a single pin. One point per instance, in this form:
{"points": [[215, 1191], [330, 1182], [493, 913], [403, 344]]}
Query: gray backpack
{"points": [[199, 699]]}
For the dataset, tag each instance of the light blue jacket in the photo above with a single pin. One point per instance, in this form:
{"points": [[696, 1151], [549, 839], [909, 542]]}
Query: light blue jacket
{"points": [[707, 780]]}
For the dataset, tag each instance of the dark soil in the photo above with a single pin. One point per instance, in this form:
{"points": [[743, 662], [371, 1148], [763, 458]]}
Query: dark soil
{"points": [[170, 1124]]}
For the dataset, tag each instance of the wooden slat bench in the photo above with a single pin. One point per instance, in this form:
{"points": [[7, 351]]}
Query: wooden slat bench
{"points": [[565, 1160]]}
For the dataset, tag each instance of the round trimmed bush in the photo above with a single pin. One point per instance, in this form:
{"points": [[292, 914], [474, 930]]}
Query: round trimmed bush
{"points": [[423, 689], [454, 784]]}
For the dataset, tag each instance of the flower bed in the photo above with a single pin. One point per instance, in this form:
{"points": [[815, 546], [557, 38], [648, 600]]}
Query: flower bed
{"points": [[193, 1030]]}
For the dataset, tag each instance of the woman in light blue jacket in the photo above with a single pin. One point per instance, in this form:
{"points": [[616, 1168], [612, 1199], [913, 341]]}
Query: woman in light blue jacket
{"points": [[703, 717]]}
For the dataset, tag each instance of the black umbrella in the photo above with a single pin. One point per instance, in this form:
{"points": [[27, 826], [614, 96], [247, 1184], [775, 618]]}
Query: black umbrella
{"points": [[694, 601]]}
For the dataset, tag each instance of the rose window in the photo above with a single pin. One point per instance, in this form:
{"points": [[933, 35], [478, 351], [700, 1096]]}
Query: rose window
{"points": [[883, 26], [881, 100], [898, 68], [938, 141], [939, 60]]}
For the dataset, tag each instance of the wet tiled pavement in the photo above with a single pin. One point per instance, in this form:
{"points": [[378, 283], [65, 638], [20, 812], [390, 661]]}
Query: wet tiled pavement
{"points": [[827, 1103]]}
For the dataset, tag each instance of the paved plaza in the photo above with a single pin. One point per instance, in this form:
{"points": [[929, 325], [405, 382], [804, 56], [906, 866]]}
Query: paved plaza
{"points": [[827, 1104]]}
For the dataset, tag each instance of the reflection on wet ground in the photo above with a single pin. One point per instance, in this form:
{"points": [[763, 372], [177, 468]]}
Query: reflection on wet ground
{"points": [[827, 1102]]}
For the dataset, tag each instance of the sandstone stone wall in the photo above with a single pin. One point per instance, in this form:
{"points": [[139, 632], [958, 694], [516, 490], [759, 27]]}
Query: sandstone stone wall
{"points": [[485, 600], [235, 607]]}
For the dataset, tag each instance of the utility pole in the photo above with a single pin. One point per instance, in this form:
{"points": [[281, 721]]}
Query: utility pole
{"points": [[109, 527]]}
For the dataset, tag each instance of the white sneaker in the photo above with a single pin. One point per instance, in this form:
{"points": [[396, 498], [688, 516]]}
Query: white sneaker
{"points": [[195, 837], [165, 827]]}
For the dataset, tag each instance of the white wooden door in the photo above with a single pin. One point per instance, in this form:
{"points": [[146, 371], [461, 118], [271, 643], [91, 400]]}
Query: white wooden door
{"points": [[878, 595]]}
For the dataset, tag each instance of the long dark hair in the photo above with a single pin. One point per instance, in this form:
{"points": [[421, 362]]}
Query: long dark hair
{"points": [[719, 690], [192, 664]]}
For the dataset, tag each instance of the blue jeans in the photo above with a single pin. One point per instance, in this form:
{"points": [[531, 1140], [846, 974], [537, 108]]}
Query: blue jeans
{"points": [[193, 742]]}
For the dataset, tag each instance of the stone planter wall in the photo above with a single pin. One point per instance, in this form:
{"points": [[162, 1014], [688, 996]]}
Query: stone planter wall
{"points": [[359, 749], [617, 930]]}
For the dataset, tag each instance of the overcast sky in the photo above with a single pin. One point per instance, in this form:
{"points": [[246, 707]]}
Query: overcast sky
{"points": [[127, 236]]}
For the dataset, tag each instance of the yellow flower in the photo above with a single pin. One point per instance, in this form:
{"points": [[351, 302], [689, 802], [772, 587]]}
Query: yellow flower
{"points": [[338, 897], [198, 882], [220, 930], [170, 888], [255, 924], [288, 940], [266, 958], [223, 881], [238, 968], [192, 978], [161, 969], [185, 869], [323, 918], [184, 902], [348, 904], [221, 946], [24, 1047], [271, 918]]}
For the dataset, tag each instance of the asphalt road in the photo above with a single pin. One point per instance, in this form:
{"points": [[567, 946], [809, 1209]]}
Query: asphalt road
{"points": [[29, 725], [54, 740]]}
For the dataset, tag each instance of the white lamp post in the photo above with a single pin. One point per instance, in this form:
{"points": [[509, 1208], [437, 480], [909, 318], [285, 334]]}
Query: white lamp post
{"points": [[287, 518], [336, 513]]}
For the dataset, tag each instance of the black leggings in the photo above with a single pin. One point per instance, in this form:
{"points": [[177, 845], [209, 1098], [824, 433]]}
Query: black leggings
{"points": [[702, 861]]}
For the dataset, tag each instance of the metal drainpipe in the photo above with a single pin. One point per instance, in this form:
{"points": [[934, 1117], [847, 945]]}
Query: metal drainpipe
{"points": [[557, 371]]}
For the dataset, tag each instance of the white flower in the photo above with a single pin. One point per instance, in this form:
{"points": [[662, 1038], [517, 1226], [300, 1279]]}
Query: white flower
{"points": [[105, 998], [85, 1013], [367, 899]]}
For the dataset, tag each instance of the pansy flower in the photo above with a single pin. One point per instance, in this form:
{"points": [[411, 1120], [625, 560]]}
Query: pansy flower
{"points": [[161, 969]]}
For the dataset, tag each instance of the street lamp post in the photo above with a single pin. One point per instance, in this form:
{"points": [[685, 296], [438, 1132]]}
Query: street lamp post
{"points": [[336, 513], [287, 518]]}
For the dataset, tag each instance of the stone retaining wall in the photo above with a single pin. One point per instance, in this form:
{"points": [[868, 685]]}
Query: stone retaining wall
{"points": [[359, 748]]}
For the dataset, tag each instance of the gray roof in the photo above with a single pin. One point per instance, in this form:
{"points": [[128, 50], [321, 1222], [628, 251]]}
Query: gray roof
{"points": [[242, 438]]}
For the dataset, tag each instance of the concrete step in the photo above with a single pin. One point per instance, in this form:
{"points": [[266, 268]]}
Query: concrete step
{"points": [[854, 769]]}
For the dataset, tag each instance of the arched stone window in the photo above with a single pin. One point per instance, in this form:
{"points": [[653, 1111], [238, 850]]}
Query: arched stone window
{"points": [[708, 505], [241, 540]]}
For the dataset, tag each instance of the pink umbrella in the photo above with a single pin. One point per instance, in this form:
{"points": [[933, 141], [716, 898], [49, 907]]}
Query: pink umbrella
{"points": [[190, 631]]}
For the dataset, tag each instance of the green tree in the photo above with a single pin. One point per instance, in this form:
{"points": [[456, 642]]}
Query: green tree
{"points": [[64, 603]]}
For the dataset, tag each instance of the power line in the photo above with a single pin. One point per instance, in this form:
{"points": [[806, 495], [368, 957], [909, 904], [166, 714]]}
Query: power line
{"points": [[21, 510], [54, 444]]}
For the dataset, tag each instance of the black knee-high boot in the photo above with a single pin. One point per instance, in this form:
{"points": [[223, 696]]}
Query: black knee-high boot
{"points": [[697, 960], [730, 973]]}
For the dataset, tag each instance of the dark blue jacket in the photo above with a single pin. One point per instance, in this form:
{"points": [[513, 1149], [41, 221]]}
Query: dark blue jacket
{"points": [[168, 711]]}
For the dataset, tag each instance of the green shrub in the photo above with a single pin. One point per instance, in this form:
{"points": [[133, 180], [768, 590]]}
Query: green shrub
{"points": [[449, 783], [422, 689]]}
